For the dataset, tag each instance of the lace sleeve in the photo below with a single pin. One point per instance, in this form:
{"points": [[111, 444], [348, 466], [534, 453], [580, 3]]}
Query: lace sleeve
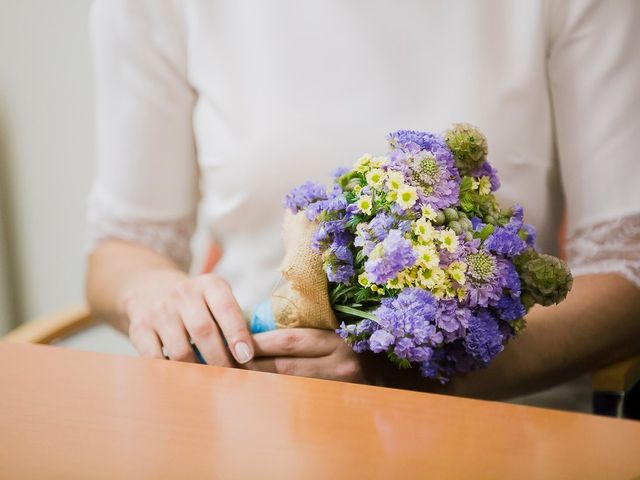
{"points": [[169, 238], [607, 247]]}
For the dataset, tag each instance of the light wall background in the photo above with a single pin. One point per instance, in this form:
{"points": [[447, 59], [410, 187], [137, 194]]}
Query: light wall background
{"points": [[46, 154]]}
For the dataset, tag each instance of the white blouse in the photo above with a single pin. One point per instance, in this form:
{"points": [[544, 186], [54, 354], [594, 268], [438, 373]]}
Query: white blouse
{"points": [[226, 105]]}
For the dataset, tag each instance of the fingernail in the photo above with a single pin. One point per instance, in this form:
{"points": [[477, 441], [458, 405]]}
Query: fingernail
{"points": [[243, 352]]}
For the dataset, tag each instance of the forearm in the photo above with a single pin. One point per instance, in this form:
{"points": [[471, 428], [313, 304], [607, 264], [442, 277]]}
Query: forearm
{"points": [[596, 324], [118, 271]]}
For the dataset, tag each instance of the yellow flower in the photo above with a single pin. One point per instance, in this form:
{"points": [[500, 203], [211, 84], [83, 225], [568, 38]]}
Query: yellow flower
{"points": [[393, 284], [362, 165], [377, 162], [433, 278], [484, 185], [407, 196], [449, 240], [395, 180], [357, 189], [444, 290], [364, 204], [456, 272], [461, 293], [363, 280], [428, 256], [428, 212], [374, 287], [424, 230], [375, 177]]}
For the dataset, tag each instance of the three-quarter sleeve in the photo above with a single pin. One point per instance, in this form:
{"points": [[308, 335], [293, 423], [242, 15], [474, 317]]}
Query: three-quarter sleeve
{"points": [[146, 189], [594, 76]]}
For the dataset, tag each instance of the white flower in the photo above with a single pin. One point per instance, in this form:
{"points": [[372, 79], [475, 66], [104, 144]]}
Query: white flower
{"points": [[395, 180], [365, 204], [407, 196], [375, 177], [449, 240]]}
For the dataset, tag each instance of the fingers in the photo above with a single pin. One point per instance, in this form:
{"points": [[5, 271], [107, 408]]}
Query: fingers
{"points": [[145, 341], [328, 368], [202, 328], [296, 342], [160, 326], [228, 316], [174, 338], [202, 310]]}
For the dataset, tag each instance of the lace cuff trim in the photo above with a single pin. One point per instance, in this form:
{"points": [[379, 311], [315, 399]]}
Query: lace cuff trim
{"points": [[169, 238], [608, 247]]}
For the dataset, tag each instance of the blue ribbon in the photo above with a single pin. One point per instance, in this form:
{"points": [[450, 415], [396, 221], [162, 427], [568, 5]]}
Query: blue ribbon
{"points": [[262, 319]]}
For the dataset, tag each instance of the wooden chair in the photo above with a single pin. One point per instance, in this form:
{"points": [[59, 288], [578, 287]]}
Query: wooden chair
{"points": [[52, 327], [610, 385]]}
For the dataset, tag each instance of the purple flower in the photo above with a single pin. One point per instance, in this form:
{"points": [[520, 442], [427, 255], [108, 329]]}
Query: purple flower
{"points": [[360, 346], [510, 277], [415, 140], [340, 273], [484, 339], [380, 226], [530, 230], [516, 220], [345, 331], [420, 354], [487, 277], [505, 241], [366, 326], [302, 196], [380, 341], [452, 319], [338, 258], [326, 232], [403, 347], [483, 279], [510, 308], [407, 323], [426, 160], [333, 204], [487, 170], [396, 255], [476, 223]]}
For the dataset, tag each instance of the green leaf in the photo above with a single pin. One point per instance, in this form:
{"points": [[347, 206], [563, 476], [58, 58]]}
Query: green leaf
{"points": [[466, 184], [355, 312], [354, 221], [486, 231]]}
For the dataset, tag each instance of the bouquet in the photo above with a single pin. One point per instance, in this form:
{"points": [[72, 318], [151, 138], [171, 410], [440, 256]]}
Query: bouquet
{"points": [[409, 255]]}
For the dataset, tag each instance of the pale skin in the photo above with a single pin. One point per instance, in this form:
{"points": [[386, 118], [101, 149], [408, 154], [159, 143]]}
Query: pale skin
{"points": [[145, 295]]}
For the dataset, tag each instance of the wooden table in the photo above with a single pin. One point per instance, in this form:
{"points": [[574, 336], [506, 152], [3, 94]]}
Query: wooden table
{"points": [[68, 414]]}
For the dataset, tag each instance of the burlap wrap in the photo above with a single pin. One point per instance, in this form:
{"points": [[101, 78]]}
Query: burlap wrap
{"points": [[302, 298]]}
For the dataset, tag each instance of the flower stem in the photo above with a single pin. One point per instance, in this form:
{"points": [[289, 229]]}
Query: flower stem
{"points": [[355, 312]]}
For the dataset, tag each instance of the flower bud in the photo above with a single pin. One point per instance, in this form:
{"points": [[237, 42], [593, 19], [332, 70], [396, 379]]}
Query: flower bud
{"points": [[456, 227], [468, 145], [440, 218], [450, 214], [545, 278]]}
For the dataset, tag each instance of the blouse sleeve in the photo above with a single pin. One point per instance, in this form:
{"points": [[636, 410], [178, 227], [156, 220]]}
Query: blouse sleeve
{"points": [[594, 76], [146, 189]]}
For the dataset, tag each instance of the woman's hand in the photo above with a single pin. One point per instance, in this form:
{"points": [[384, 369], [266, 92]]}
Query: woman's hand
{"points": [[307, 352], [168, 309]]}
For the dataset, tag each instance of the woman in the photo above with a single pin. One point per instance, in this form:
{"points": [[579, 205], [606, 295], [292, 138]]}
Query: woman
{"points": [[226, 105]]}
